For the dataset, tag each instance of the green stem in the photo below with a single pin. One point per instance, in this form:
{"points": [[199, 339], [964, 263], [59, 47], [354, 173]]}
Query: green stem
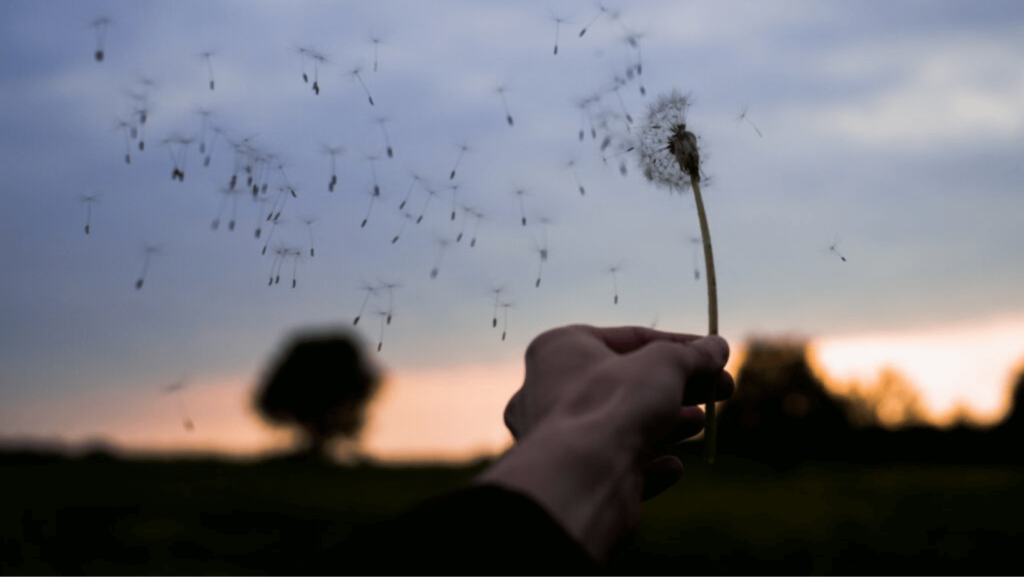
{"points": [[711, 430]]}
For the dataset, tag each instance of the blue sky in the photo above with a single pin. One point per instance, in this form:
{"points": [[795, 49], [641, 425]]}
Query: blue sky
{"points": [[894, 129]]}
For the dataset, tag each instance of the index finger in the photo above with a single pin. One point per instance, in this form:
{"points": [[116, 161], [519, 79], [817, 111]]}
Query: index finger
{"points": [[629, 339]]}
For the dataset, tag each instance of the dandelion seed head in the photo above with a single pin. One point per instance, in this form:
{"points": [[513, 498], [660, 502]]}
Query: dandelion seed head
{"points": [[665, 117]]}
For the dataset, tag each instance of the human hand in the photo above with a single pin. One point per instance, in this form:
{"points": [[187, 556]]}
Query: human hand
{"points": [[595, 413], [648, 381]]}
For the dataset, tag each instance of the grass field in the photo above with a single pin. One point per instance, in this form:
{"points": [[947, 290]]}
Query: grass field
{"points": [[101, 515]]}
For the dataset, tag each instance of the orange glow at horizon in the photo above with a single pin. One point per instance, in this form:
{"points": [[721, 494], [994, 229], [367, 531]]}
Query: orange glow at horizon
{"points": [[964, 371], [455, 413]]}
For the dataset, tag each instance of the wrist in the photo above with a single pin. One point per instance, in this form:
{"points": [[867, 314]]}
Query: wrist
{"points": [[586, 479]]}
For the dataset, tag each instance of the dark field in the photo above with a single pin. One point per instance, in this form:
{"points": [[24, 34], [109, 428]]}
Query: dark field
{"points": [[102, 515]]}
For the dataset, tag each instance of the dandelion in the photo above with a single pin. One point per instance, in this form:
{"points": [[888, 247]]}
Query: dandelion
{"points": [[376, 43], [478, 216], [415, 179], [669, 157], [374, 195], [178, 145]]}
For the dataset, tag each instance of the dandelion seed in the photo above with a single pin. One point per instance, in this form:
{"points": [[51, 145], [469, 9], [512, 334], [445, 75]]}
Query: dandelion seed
{"points": [[100, 26], [333, 152], [376, 42], [390, 287], [217, 132], [204, 119], [128, 129], [176, 389], [455, 196], [415, 179], [372, 159], [614, 271], [466, 212], [576, 176], [633, 40], [479, 216], [89, 201], [501, 92], [382, 315], [374, 195], [406, 217], [833, 248], [303, 52], [463, 148], [148, 252], [504, 325], [442, 245], [355, 74], [177, 146], [280, 254], [431, 193], [296, 256], [226, 195], [558, 20], [259, 215], [542, 253], [318, 59], [520, 193], [270, 235], [497, 295], [601, 10], [382, 121], [743, 116], [309, 220], [207, 56], [370, 291]]}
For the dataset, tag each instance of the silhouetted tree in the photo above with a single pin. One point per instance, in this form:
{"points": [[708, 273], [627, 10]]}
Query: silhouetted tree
{"points": [[1013, 423], [321, 383], [781, 412]]}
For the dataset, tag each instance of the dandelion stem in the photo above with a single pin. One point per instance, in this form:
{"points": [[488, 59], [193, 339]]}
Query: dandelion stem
{"points": [[711, 432]]}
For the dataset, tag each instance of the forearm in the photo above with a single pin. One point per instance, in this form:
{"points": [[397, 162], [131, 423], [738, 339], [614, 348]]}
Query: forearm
{"points": [[581, 475]]}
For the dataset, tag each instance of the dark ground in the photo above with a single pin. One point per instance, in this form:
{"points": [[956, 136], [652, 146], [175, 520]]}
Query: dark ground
{"points": [[103, 515]]}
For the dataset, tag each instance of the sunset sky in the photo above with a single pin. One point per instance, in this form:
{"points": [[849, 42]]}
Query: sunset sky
{"points": [[889, 132]]}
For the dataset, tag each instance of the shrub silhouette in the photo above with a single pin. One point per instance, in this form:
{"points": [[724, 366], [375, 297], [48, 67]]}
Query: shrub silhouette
{"points": [[781, 412], [321, 384]]}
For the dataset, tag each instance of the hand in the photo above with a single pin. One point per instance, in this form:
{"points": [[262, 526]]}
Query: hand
{"points": [[600, 406], [600, 370]]}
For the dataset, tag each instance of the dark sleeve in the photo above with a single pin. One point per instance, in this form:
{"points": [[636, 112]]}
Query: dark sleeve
{"points": [[480, 530]]}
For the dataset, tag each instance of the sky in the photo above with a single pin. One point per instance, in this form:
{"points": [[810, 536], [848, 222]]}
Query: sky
{"points": [[861, 167]]}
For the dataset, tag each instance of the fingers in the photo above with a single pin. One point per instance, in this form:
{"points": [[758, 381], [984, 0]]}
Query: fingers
{"points": [[629, 339], [699, 387], [691, 422]]}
